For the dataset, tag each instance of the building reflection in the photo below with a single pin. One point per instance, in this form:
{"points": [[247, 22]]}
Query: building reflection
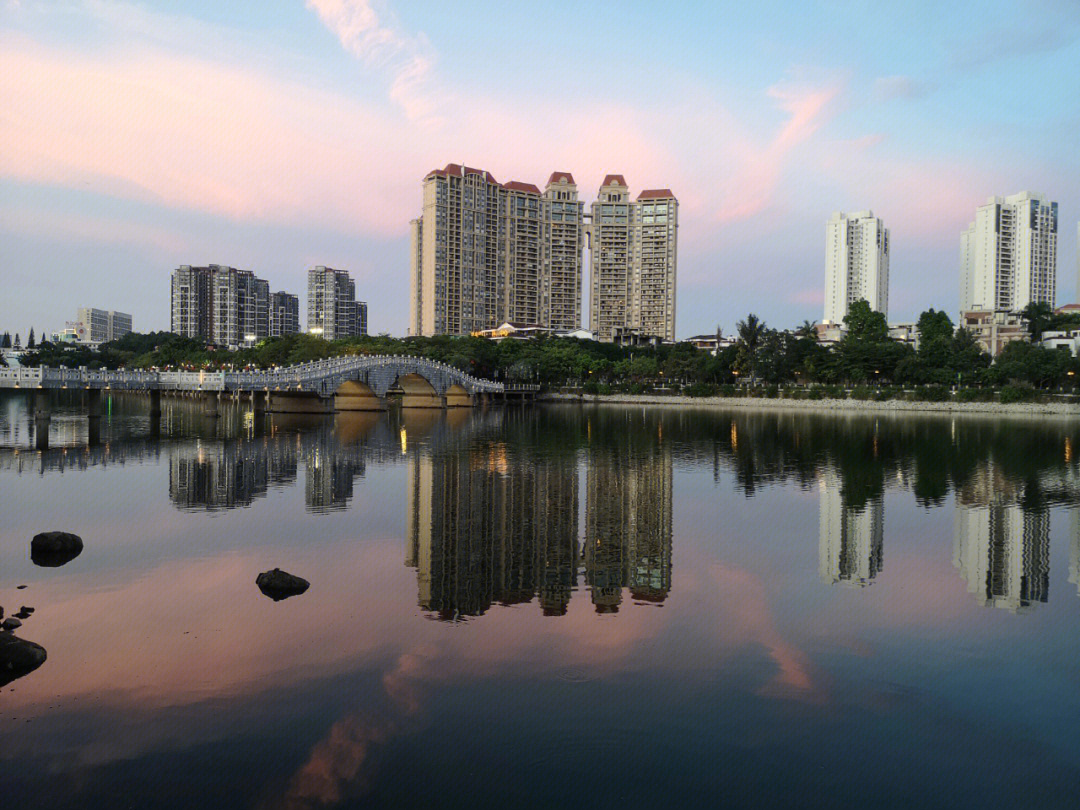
{"points": [[211, 474], [1001, 542], [1074, 548], [487, 526], [850, 536]]}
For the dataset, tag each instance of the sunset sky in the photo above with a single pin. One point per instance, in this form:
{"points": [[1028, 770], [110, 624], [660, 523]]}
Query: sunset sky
{"points": [[273, 136]]}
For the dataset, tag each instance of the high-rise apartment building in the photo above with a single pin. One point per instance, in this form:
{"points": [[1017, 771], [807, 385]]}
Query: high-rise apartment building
{"points": [[633, 261], [856, 264], [484, 253], [100, 325], [333, 310], [284, 314], [224, 306], [1008, 255]]}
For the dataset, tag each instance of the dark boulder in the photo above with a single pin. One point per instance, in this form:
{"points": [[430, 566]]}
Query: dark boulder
{"points": [[18, 657], [10, 624], [53, 549], [278, 584]]}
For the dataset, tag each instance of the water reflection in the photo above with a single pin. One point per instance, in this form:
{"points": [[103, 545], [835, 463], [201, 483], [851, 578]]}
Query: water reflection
{"points": [[851, 539], [490, 524], [1002, 539]]}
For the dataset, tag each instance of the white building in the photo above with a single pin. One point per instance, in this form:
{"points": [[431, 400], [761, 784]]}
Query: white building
{"points": [[99, 325], [1008, 255], [856, 264]]}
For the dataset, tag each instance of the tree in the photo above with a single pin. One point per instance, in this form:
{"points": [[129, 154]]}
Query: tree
{"points": [[30, 342], [751, 332], [18, 345], [808, 330], [1039, 316], [866, 353], [5, 341]]}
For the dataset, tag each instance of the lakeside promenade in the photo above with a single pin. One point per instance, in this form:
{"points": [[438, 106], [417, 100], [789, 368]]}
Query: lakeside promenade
{"points": [[1056, 409]]}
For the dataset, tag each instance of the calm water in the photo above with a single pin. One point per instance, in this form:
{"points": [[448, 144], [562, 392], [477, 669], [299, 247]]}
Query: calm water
{"points": [[554, 607]]}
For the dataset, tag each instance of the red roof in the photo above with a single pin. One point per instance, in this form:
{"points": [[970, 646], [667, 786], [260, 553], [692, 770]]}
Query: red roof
{"points": [[514, 185], [656, 194], [457, 170], [614, 179], [557, 176]]}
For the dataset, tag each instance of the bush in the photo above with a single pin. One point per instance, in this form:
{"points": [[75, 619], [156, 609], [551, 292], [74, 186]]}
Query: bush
{"points": [[591, 387], [974, 395], [885, 394], [603, 389], [933, 393], [637, 388], [700, 389], [728, 391], [1016, 393], [772, 391], [862, 392]]}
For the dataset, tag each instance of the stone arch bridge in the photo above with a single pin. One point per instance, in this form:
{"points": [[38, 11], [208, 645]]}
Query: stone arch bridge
{"points": [[357, 382]]}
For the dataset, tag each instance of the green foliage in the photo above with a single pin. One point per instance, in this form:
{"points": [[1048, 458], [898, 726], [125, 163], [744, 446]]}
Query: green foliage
{"points": [[933, 393], [700, 389], [1017, 393]]}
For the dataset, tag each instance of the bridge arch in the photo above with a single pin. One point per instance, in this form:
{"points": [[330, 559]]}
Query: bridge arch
{"points": [[353, 395]]}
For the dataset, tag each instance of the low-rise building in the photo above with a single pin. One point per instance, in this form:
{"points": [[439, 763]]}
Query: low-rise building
{"points": [[1067, 339], [993, 330], [906, 333], [96, 326], [513, 331]]}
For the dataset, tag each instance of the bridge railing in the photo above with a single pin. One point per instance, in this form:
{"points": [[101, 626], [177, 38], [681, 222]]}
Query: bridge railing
{"points": [[20, 376]]}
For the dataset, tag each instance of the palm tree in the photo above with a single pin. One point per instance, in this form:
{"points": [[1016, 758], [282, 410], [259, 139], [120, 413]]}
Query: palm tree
{"points": [[751, 331], [807, 330], [1039, 316]]}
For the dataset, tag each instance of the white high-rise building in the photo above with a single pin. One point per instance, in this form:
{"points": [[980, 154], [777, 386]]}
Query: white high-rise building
{"points": [[333, 311], [1008, 255], [856, 264]]}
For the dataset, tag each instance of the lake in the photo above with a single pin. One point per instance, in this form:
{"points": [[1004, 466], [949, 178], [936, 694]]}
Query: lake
{"points": [[549, 606]]}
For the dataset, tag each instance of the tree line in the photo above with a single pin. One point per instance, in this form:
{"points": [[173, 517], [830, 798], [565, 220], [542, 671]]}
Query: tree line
{"points": [[760, 356]]}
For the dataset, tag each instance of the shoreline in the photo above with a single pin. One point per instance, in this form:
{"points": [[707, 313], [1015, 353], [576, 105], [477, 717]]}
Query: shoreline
{"points": [[855, 406]]}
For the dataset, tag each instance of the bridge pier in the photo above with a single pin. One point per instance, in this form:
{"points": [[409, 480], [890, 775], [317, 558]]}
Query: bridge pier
{"points": [[92, 398], [42, 419], [155, 402], [298, 402], [210, 405]]}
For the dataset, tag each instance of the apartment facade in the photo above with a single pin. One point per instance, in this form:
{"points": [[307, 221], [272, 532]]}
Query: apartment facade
{"points": [[284, 314], [856, 264], [1008, 255], [100, 325], [333, 311], [633, 262], [222, 305], [483, 253]]}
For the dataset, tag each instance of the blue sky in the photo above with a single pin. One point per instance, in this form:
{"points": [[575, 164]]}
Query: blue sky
{"points": [[275, 136]]}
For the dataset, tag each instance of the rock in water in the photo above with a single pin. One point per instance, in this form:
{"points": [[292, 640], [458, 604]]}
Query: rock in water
{"points": [[278, 584], [18, 657], [53, 549]]}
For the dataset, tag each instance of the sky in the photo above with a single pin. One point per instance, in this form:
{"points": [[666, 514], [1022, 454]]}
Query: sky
{"points": [[275, 136]]}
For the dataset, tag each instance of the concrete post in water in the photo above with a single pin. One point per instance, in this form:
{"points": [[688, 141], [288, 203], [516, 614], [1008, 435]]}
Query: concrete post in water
{"points": [[93, 397], [155, 402], [210, 404]]}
